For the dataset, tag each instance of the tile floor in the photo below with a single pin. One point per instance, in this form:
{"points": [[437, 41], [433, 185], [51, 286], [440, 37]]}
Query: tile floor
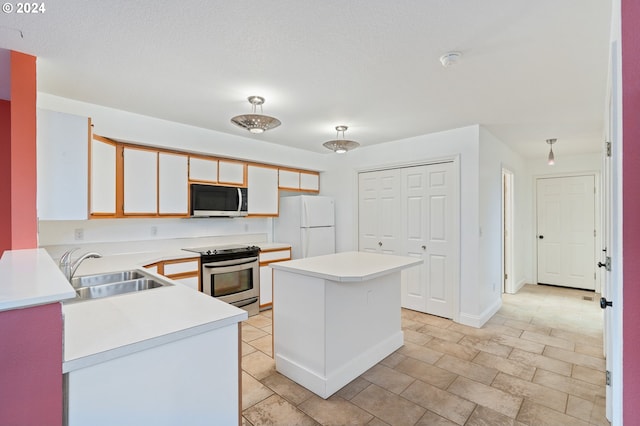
{"points": [[538, 361]]}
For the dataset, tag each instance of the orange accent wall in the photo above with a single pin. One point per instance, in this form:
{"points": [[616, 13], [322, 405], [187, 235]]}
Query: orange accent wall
{"points": [[23, 152], [5, 175]]}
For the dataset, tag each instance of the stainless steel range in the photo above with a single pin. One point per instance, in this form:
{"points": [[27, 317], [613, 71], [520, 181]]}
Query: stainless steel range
{"points": [[231, 274]]}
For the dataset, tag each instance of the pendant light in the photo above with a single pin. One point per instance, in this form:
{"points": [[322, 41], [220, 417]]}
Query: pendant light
{"points": [[255, 123], [551, 160], [340, 146]]}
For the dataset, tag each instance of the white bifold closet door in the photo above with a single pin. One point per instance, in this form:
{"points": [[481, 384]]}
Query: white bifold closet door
{"points": [[410, 211]]}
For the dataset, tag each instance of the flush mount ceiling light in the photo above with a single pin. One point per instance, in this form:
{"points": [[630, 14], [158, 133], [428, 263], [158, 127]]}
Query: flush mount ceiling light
{"points": [[255, 123], [340, 146], [450, 59], [551, 160]]}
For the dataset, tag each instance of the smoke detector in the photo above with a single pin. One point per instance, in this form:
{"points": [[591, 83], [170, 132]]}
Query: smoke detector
{"points": [[450, 59]]}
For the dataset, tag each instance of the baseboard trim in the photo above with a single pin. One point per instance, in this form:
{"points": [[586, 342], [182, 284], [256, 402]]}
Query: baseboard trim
{"points": [[478, 321]]}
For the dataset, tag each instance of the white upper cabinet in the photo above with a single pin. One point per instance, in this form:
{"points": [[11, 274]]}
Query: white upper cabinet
{"points": [[103, 178], [309, 181], [231, 172], [262, 190], [203, 169], [62, 157], [173, 184], [140, 181], [288, 179]]}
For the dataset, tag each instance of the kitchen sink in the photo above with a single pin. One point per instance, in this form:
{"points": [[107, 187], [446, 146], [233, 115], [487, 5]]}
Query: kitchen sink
{"points": [[91, 287], [112, 289], [100, 279]]}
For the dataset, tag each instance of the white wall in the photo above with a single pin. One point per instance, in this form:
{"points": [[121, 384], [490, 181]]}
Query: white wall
{"points": [[136, 128], [494, 156], [565, 165], [341, 182]]}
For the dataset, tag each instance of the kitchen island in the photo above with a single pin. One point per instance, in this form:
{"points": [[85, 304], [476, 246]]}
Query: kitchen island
{"points": [[336, 316]]}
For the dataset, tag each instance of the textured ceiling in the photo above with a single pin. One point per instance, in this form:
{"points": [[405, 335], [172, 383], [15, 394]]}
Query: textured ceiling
{"points": [[530, 70]]}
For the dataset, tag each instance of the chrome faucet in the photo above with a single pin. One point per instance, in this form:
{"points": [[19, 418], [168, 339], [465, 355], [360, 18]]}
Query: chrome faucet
{"points": [[68, 267]]}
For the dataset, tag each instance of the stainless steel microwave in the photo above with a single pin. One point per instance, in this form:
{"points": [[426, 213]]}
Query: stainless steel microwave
{"points": [[218, 201]]}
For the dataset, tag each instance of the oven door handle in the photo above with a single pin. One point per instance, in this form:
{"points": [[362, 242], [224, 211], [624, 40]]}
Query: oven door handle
{"points": [[245, 302], [213, 265]]}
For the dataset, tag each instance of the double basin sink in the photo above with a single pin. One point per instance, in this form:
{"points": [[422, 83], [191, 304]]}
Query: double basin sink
{"points": [[112, 284]]}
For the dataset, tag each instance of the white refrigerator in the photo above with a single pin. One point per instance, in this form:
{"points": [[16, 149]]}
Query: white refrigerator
{"points": [[307, 223]]}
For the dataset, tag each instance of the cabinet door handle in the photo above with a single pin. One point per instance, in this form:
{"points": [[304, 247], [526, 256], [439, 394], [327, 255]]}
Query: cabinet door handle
{"points": [[379, 243], [424, 247]]}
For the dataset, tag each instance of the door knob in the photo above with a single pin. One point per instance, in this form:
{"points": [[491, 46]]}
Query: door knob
{"points": [[604, 303], [541, 236], [424, 247], [379, 243]]}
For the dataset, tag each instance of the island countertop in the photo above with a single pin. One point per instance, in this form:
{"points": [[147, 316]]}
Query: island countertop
{"points": [[351, 266]]}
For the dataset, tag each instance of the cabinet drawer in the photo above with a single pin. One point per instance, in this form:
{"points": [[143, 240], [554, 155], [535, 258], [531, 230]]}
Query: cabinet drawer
{"points": [[273, 256], [181, 267]]}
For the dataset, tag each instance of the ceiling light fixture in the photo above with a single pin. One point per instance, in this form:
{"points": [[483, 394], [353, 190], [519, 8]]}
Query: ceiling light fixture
{"points": [[450, 59], [551, 160], [255, 123], [340, 146]]}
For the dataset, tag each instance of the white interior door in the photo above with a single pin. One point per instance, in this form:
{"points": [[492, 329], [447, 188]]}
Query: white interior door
{"points": [[427, 231], [379, 211], [566, 231]]}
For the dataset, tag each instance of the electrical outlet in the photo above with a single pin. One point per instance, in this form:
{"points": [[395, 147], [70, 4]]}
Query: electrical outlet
{"points": [[78, 234], [154, 230]]}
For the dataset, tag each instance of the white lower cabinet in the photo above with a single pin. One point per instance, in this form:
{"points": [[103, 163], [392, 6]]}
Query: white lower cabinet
{"points": [[268, 257], [266, 285], [187, 381]]}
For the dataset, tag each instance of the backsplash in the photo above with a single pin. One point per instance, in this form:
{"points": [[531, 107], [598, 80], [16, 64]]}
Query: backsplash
{"points": [[147, 232]]}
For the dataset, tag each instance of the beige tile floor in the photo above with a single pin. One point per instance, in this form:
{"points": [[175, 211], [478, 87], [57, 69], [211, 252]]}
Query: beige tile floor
{"points": [[538, 361]]}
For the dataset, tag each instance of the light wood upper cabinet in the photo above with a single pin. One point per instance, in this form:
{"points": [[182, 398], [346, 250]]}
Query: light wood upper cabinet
{"points": [[203, 169], [103, 177], [62, 164], [288, 179], [295, 180], [262, 190], [231, 172], [309, 181], [140, 181], [173, 184]]}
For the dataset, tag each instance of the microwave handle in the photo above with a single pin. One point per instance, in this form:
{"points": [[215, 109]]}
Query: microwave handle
{"points": [[239, 200]]}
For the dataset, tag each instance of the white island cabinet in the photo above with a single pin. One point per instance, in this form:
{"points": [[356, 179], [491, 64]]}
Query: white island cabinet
{"points": [[165, 356], [336, 316]]}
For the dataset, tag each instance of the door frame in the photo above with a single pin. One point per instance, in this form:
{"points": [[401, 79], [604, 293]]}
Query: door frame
{"points": [[596, 219], [508, 204], [455, 197]]}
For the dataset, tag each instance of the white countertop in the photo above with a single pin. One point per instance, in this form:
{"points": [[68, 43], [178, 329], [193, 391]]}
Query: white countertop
{"points": [[348, 266], [102, 329], [30, 277]]}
